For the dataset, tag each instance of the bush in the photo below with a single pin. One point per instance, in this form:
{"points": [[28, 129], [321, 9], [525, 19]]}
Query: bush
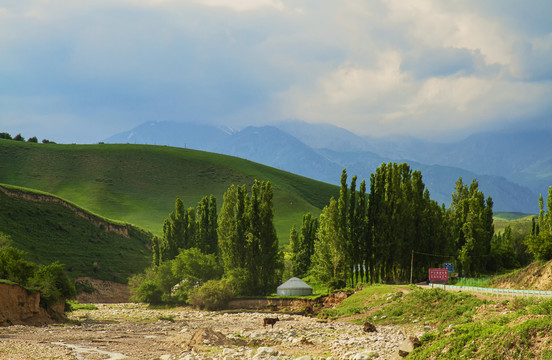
{"points": [[84, 286], [213, 295], [14, 267], [173, 280], [53, 283]]}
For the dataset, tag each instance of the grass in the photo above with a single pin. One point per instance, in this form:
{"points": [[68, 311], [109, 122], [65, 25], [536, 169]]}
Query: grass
{"points": [[75, 305], [138, 184], [369, 297], [518, 222], [49, 231], [462, 325]]}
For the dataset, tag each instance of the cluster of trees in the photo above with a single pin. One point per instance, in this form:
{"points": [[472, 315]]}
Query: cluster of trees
{"points": [[371, 236], [188, 228], [51, 280], [18, 137], [202, 255], [248, 241], [539, 242]]}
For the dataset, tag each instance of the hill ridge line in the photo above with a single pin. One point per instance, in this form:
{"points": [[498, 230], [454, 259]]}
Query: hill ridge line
{"points": [[123, 230]]}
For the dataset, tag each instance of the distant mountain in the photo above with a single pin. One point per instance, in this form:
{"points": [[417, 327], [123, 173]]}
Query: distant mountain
{"points": [[512, 168], [271, 146], [184, 135]]}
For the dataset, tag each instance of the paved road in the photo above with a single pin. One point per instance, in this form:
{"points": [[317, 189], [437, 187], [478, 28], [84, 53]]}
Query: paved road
{"points": [[491, 291]]}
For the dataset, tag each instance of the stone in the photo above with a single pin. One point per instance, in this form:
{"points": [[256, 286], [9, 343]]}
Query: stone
{"points": [[369, 327], [365, 355], [306, 357], [408, 345]]}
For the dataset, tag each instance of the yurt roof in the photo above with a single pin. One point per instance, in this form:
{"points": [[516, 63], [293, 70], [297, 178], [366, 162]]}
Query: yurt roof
{"points": [[295, 283]]}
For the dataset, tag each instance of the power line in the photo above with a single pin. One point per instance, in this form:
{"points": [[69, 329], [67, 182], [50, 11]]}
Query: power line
{"points": [[442, 256]]}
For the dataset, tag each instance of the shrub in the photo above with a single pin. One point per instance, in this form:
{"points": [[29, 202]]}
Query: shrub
{"points": [[213, 295], [14, 267], [53, 283]]}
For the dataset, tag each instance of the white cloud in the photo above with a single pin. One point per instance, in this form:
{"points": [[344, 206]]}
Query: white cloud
{"points": [[244, 5], [375, 67]]}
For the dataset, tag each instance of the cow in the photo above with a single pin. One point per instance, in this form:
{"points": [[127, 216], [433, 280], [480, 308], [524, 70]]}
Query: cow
{"points": [[270, 321]]}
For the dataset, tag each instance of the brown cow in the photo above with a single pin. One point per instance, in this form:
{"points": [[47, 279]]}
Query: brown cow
{"points": [[270, 321]]}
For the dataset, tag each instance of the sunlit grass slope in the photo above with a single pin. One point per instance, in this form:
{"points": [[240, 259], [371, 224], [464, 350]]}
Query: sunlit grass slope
{"points": [[517, 221], [139, 183], [50, 230]]}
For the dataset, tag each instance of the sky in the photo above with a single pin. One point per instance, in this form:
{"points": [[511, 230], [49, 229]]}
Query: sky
{"points": [[81, 71]]}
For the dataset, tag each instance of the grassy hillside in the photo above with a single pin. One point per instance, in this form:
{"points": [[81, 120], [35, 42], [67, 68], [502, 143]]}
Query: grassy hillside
{"points": [[519, 222], [139, 183], [50, 229], [456, 325]]}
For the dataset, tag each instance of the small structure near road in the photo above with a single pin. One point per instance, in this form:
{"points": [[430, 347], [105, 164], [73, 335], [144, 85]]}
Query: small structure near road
{"points": [[294, 287]]}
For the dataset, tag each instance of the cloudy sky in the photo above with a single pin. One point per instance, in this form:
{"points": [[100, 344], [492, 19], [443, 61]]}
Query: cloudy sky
{"points": [[80, 71]]}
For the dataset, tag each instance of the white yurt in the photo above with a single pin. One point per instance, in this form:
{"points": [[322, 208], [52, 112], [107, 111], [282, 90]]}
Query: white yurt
{"points": [[294, 287]]}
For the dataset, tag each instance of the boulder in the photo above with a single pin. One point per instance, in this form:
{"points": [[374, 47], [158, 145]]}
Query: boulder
{"points": [[408, 345], [369, 327]]}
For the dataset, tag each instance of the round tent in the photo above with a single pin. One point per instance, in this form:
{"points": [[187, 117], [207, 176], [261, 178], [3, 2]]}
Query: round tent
{"points": [[294, 287]]}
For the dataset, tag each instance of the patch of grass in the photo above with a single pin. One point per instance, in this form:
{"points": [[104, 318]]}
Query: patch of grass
{"points": [[138, 184], [49, 231], [369, 297], [73, 305], [166, 318], [486, 340], [429, 306]]}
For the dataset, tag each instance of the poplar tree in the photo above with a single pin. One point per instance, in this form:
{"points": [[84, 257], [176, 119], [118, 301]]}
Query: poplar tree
{"points": [[248, 239]]}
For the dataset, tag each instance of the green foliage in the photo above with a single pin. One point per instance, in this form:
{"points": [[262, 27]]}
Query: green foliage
{"points": [[173, 280], [328, 260], [248, 241], [433, 306], [54, 284], [486, 340], [369, 237], [539, 242], [471, 218], [138, 183], [51, 280], [50, 229], [84, 286], [14, 266], [361, 301], [74, 305], [213, 295]]}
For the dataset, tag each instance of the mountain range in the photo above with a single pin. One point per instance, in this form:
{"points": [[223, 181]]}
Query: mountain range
{"points": [[513, 167]]}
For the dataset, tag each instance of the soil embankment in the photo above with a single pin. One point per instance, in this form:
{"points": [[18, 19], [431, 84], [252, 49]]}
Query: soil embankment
{"points": [[102, 291], [19, 306]]}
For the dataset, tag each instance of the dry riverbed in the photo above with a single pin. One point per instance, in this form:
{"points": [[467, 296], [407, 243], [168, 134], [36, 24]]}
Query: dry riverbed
{"points": [[132, 331]]}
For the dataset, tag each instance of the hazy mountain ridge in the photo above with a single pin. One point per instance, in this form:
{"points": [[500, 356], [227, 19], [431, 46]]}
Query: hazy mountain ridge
{"points": [[512, 174]]}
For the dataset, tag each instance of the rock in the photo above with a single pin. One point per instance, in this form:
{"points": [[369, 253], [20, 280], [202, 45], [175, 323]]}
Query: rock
{"points": [[365, 355], [408, 345], [165, 357], [266, 353], [306, 357], [369, 327], [204, 336]]}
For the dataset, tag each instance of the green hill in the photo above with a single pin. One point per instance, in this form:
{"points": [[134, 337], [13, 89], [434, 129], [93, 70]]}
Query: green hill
{"points": [[138, 184], [50, 229]]}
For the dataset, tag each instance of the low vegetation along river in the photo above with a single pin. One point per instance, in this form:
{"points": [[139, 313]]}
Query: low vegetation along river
{"points": [[132, 331]]}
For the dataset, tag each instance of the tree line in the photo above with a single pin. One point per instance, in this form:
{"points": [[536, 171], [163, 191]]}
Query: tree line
{"points": [[19, 137], [204, 257], [387, 230], [369, 235]]}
